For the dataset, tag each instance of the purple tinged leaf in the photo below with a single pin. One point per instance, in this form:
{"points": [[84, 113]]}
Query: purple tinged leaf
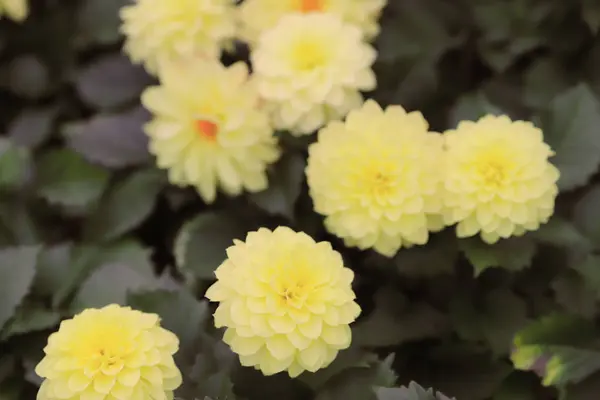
{"points": [[111, 140], [111, 82]]}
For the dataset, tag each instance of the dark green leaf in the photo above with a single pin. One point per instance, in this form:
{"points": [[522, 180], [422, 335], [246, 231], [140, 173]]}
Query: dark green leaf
{"points": [[67, 179], [587, 215], [17, 270], [499, 316], [570, 128], [513, 254], [52, 269], [471, 107], [413, 392], [180, 313], [284, 187], [98, 21], [574, 294], [126, 205], [15, 164], [30, 318], [201, 243], [134, 271], [437, 257], [391, 324]]}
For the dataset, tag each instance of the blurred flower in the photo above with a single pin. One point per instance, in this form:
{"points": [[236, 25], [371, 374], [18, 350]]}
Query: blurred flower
{"points": [[309, 69], [110, 353], [376, 178], [16, 10], [258, 16], [498, 178], [285, 300], [208, 130], [157, 29]]}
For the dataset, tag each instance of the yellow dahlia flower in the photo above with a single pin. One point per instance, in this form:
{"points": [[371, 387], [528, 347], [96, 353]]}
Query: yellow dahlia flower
{"points": [[498, 179], [285, 300], [258, 16], [157, 29], [17, 10], [376, 178], [208, 130], [111, 353], [310, 68]]}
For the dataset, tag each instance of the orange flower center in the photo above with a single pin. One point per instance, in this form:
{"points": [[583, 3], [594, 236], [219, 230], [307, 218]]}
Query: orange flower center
{"points": [[207, 129], [307, 6]]}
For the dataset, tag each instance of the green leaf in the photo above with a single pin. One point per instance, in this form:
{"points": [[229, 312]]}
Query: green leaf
{"points": [[588, 389], [574, 294], [134, 271], [559, 348], [98, 21], [87, 258], [587, 214], [590, 13], [284, 187], [111, 82], [201, 243], [17, 270], [518, 386], [53, 267], [570, 128], [437, 257], [471, 107], [126, 205], [180, 312], [513, 253], [32, 126], [14, 164], [589, 269], [413, 392], [18, 223], [114, 140], [415, 31], [30, 318], [390, 323], [67, 179], [499, 316], [544, 80], [562, 233]]}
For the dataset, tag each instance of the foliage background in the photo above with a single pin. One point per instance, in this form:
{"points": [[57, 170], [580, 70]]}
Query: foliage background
{"points": [[86, 219]]}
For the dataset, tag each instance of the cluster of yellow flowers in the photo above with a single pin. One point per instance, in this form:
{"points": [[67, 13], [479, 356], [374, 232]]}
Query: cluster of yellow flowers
{"points": [[384, 181], [380, 177], [214, 125]]}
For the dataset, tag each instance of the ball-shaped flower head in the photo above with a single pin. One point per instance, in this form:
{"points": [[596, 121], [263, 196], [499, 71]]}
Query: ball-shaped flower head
{"points": [[258, 16], [285, 300], [110, 353], [498, 181], [17, 10], [208, 129], [157, 29], [376, 178], [310, 69]]}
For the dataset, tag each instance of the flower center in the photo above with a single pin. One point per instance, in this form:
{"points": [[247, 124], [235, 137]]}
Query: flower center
{"points": [[307, 6], [293, 295], [308, 54], [207, 129], [493, 173], [381, 184]]}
